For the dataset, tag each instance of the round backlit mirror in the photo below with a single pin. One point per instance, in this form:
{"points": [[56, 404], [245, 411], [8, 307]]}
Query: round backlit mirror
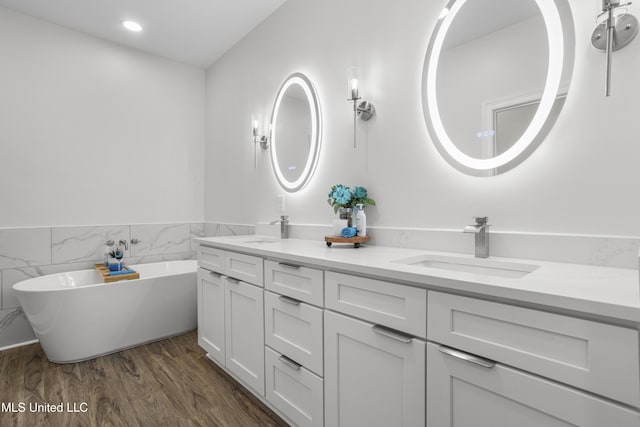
{"points": [[296, 128], [495, 78]]}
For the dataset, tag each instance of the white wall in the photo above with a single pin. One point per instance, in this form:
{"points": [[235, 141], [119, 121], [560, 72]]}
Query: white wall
{"points": [[582, 179], [95, 133]]}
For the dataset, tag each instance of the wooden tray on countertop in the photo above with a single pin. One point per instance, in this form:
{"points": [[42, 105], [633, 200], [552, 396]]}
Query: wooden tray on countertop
{"points": [[356, 241], [103, 270]]}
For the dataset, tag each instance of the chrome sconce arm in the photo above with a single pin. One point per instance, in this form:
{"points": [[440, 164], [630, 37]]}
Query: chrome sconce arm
{"points": [[618, 29], [263, 140], [362, 109], [258, 139]]}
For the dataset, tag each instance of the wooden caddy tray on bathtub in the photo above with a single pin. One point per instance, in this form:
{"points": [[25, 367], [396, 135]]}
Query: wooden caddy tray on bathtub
{"points": [[103, 270]]}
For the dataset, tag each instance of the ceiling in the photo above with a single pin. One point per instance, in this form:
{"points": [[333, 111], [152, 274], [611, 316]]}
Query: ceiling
{"points": [[195, 32]]}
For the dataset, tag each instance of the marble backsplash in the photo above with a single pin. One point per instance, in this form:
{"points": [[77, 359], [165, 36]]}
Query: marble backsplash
{"points": [[33, 252], [606, 251]]}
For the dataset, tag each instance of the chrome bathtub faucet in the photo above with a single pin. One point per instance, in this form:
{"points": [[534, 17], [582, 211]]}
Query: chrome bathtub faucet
{"points": [[481, 231]]}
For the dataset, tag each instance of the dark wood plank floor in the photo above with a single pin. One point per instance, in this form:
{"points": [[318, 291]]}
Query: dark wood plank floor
{"points": [[167, 383]]}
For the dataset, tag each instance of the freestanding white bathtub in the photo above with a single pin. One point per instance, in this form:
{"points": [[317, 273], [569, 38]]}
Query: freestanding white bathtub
{"points": [[77, 317]]}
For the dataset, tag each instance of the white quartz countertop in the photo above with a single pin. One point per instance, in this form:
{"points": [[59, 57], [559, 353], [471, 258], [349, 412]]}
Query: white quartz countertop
{"points": [[597, 291]]}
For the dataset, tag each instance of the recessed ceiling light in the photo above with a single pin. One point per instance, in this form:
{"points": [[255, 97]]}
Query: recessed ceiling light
{"points": [[132, 26]]}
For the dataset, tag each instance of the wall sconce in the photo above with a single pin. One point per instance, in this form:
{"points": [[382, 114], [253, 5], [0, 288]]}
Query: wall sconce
{"points": [[263, 140], [616, 29], [362, 109]]}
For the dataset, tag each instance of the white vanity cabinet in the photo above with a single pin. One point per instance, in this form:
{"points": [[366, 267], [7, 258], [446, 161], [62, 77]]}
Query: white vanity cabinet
{"points": [[462, 393], [373, 376], [244, 331], [374, 365], [247, 268], [497, 365], [294, 329], [327, 348], [294, 390], [231, 313], [396, 306], [211, 259], [294, 351], [211, 322], [295, 281]]}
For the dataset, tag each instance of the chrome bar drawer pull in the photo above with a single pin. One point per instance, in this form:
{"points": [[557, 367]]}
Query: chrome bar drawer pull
{"points": [[216, 274], [232, 280], [289, 300], [398, 336], [485, 363], [292, 266], [290, 363]]}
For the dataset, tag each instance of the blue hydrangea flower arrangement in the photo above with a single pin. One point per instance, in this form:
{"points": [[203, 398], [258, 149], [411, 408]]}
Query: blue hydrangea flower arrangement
{"points": [[341, 196]]}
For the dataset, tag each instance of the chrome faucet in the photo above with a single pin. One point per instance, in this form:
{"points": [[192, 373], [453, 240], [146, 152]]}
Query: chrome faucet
{"points": [[284, 226], [124, 243], [481, 230]]}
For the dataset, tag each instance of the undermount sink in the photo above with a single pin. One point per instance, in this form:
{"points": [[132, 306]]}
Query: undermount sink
{"points": [[471, 265], [260, 240]]}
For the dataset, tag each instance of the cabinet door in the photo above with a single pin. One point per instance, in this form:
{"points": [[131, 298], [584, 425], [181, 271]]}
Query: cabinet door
{"points": [[211, 314], [244, 316], [464, 394], [373, 376]]}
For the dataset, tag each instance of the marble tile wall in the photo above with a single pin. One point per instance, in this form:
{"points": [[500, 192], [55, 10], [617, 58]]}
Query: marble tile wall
{"points": [[606, 251], [31, 252]]}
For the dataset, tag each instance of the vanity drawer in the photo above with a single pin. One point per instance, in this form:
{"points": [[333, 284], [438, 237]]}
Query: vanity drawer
{"points": [[301, 283], [590, 355], [211, 259], [295, 391], [462, 393], [294, 329], [396, 306], [247, 268]]}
